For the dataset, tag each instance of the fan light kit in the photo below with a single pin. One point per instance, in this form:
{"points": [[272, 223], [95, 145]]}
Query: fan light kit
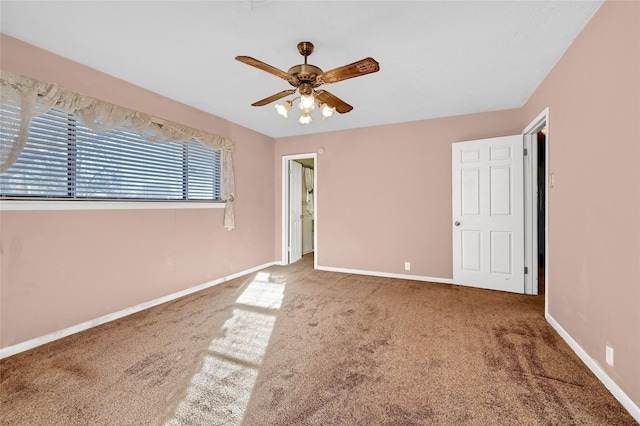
{"points": [[305, 78]]}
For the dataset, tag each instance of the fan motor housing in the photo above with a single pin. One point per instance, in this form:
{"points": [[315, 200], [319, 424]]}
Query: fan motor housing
{"points": [[305, 73]]}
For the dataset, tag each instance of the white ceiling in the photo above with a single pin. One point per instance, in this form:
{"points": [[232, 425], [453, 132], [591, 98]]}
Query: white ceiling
{"points": [[437, 58]]}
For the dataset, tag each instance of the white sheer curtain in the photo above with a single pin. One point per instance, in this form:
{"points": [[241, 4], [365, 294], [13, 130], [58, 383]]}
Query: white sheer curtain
{"points": [[36, 98], [308, 182]]}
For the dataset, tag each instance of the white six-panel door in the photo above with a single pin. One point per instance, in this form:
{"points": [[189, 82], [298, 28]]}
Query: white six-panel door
{"points": [[295, 211], [488, 213]]}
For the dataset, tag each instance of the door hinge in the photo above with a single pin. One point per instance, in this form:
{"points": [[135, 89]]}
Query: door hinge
{"points": [[526, 152], [526, 270]]}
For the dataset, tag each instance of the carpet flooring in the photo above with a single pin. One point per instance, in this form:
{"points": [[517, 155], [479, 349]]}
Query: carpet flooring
{"points": [[294, 346]]}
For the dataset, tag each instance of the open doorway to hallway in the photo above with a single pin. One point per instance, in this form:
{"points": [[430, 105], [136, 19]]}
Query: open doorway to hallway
{"points": [[308, 166], [541, 143], [299, 207], [537, 181]]}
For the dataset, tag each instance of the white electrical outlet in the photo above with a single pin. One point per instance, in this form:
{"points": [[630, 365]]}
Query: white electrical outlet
{"points": [[609, 355], [407, 266]]}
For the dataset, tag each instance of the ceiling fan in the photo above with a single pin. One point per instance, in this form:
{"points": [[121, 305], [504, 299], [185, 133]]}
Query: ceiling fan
{"points": [[305, 78]]}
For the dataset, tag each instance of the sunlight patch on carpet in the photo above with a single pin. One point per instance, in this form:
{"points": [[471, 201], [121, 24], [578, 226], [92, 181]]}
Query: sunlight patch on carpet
{"points": [[246, 337], [220, 391], [262, 293]]}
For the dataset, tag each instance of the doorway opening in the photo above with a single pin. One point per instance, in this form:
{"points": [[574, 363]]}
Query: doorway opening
{"points": [[307, 214], [299, 207], [541, 145], [536, 142]]}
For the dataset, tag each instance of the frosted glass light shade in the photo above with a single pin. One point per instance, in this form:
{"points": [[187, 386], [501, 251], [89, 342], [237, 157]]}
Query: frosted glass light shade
{"points": [[305, 119], [283, 109], [307, 104], [326, 111]]}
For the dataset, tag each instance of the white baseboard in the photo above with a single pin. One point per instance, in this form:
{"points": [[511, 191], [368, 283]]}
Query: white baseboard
{"points": [[386, 275], [618, 393], [30, 344]]}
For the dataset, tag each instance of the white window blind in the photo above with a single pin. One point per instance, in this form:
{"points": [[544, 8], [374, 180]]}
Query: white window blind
{"points": [[63, 159]]}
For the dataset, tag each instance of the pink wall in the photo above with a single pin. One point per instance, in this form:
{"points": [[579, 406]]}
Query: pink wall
{"points": [[384, 193], [593, 95], [61, 268]]}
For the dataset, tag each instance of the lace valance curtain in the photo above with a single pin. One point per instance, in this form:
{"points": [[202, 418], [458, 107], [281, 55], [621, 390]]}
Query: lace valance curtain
{"points": [[36, 98]]}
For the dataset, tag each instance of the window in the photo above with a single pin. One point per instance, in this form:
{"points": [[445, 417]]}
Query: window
{"points": [[63, 159]]}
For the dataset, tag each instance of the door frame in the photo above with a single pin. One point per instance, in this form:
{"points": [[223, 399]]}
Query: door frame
{"points": [[285, 205], [530, 204]]}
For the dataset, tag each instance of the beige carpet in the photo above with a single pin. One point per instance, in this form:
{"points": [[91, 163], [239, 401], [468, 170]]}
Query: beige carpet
{"points": [[294, 346]]}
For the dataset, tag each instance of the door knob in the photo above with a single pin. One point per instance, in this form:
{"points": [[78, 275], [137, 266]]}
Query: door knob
{"points": [[456, 223]]}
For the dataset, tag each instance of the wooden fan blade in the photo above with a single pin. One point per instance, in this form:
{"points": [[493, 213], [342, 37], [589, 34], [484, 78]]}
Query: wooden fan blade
{"points": [[333, 101], [268, 68], [275, 97], [356, 69]]}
